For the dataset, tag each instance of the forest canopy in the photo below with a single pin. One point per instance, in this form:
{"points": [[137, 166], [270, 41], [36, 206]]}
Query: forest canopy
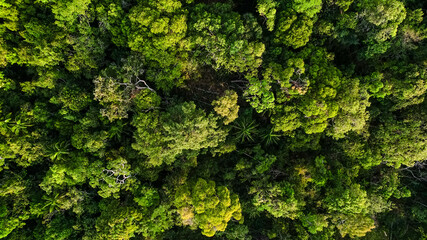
{"points": [[213, 119]]}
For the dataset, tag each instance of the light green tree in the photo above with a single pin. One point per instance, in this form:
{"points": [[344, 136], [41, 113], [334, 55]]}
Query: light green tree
{"points": [[117, 221], [227, 107], [267, 10], [353, 225], [235, 47], [181, 129], [116, 87], [157, 30], [278, 199], [292, 29], [206, 206], [309, 8], [314, 222], [13, 203]]}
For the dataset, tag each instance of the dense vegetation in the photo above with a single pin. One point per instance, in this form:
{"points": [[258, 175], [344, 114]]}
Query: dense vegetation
{"points": [[213, 119]]}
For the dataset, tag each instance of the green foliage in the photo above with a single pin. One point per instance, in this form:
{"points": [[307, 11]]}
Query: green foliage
{"points": [[6, 83], [259, 95], [117, 86], [348, 201], [66, 12], [58, 228], [328, 95], [390, 186], [258, 164], [146, 196], [383, 15], [72, 98], [353, 114], [377, 23], [270, 137], [267, 10], [245, 129], [157, 30], [308, 117], [58, 150], [293, 30], [235, 47], [342, 4], [354, 226], [113, 177], [116, 221], [89, 141], [54, 203], [278, 199], [206, 206], [309, 8], [156, 26], [314, 223], [160, 220], [226, 106], [408, 84], [63, 174], [181, 129], [28, 149], [400, 142], [13, 203]]}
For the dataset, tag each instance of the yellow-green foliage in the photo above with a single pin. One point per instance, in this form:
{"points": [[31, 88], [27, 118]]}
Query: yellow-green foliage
{"points": [[353, 225], [267, 10], [182, 128], [278, 199], [119, 117], [293, 30], [207, 206], [226, 106]]}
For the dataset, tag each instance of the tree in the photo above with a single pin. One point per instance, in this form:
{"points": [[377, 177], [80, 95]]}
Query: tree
{"points": [[157, 30], [407, 83], [353, 225], [160, 220], [117, 221], [309, 8], [384, 15], [112, 177], [72, 171], [235, 47], [117, 86], [267, 10], [92, 142], [88, 46], [312, 92], [13, 203], [278, 199], [342, 4], [182, 119], [226, 106], [353, 114], [352, 208], [259, 163], [205, 206], [293, 30], [67, 12], [314, 222], [59, 228], [400, 143], [288, 78], [349, 201], [378, 24], [110, 15], [73, 98], [181, 129]]}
